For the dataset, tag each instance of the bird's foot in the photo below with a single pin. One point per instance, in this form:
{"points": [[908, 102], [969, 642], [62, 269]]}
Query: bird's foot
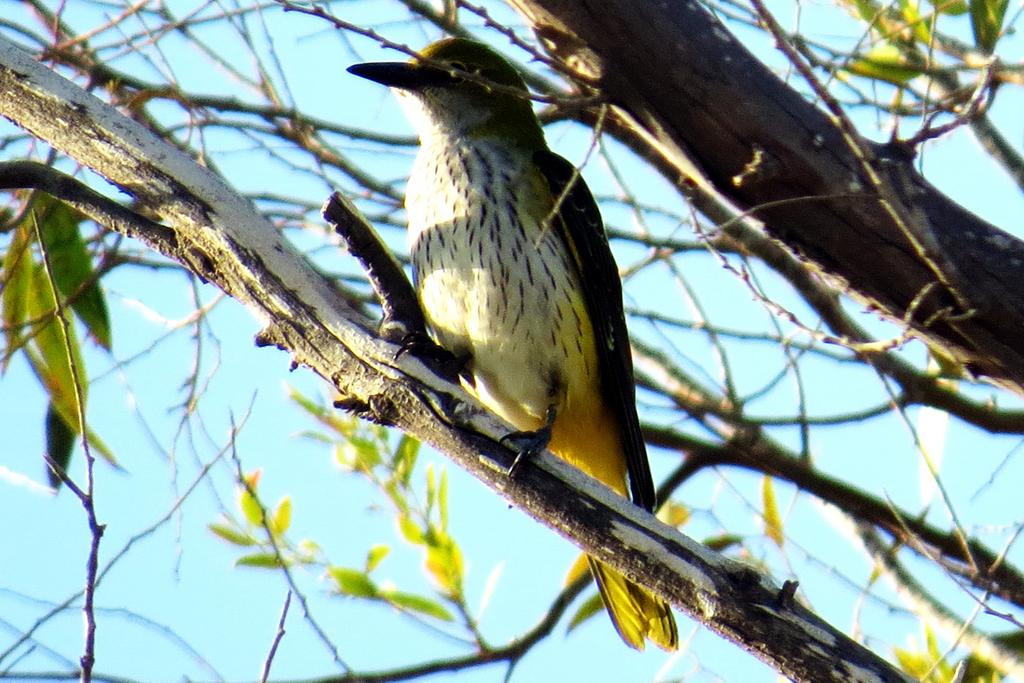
{"points": [[440, 359], [528, 444]]}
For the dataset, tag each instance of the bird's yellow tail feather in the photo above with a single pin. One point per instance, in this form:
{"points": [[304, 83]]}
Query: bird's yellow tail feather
{"points": [[635, 613]]}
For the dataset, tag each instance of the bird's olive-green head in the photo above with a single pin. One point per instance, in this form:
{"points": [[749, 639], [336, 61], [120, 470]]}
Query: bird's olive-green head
{"points": [[440, 100]]}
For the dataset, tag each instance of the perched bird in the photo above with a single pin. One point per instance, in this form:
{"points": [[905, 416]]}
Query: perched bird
{"points": [[514, 274]]}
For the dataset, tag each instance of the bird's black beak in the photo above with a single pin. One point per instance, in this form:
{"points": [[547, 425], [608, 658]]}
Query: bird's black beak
{"points": [[402, 75]]}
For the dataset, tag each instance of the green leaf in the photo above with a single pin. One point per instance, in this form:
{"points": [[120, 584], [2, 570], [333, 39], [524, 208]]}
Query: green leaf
{"points": [[979, 670], [362, 453], [418, 603], [931, 643], [987, 22], [397, 494], [722, 542], [910, 9], [329, 417], [444, 563], [867, 10], [589, 608], [942, 670], [911, 662], [72, 267], [309, 405], [98, 446], [353, 582], [772, 520], [375, 555], [674, 514], [410, 530], [885, 62], [261, 560], [579, 567], [344, 455], [15, 283], [944, 365], [442, 499], [953, 8], [404, 461], [431, 487], [308, 551], [55, 351], [60, 442], [250, 507], [282, 517], [929, 665], [232, 535]]}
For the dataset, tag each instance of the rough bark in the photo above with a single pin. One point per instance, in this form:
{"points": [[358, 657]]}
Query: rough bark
{"points": [[721, 118], [220, 237]]}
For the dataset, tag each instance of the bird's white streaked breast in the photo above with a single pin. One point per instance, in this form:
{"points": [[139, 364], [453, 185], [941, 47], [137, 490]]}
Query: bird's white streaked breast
{"points": [[493, 281]]}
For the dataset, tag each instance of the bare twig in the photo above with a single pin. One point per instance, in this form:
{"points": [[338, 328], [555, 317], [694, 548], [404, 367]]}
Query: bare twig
{"points": [[86, 496], [278, 635]]}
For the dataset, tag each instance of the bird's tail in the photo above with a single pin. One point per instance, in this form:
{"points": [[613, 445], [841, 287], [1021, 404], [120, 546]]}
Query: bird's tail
{"points": [[635, 613]]}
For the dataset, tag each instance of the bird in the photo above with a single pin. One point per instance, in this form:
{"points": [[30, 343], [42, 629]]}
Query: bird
{"points": [[513, 271]]}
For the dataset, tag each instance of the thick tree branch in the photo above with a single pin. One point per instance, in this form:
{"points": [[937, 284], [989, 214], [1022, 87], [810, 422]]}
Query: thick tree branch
{"points": [[73, 192], [402, 314], [222, 239], [856, 209]]}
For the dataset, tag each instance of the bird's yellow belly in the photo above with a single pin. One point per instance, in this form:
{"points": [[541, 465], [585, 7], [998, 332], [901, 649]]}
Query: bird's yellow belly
{"points": [[526, 357]]}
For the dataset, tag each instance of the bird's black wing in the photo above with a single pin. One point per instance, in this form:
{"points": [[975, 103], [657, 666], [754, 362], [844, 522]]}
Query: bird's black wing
{"points": [[602, 292]]}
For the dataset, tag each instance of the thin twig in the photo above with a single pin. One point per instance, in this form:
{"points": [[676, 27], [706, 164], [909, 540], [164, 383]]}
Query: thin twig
{"points": [[277, 638], [87, 496]]}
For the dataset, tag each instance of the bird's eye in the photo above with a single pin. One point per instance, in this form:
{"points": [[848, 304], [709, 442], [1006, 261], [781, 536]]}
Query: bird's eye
{"points": [[455, 68]]}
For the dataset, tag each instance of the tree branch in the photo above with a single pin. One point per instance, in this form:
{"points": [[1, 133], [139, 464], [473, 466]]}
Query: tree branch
{"points": [[721, 118]]}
